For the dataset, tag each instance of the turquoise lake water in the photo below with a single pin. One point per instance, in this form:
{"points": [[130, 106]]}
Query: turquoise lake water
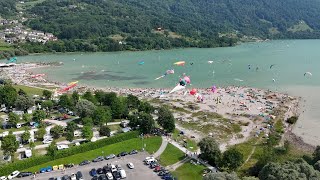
{"points": [[292, 58]]}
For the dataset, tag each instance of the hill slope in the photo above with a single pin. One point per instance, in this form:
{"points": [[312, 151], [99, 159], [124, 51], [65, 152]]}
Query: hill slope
{"points": [[187, 23]]}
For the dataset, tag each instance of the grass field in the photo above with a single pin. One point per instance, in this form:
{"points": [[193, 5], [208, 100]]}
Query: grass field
{"points": [[191, 144], [29, 90], [189, 171], [5, 46], [152, 145], [171, 155]]}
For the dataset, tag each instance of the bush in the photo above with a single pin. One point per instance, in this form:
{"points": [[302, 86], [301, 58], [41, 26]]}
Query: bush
{"points": [[292, 120], [34, 161]]}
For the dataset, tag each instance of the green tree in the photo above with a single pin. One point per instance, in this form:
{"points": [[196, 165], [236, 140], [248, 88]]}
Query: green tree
{"points": [[46, 94], [232, 159], [75, 97], [166, 119], [316, 154], [146, 107], [85, 108], [104, 131], [32, 145], [147, 123], [38, 116], [9, 144], [133, 101], [109, 98], [87, 121], [13, 118], [8, 95], [99, 96], [221, 176], [102, 115], [25, 136], [24, 103], [22, 93], [87, 132], [117, 108], [64, 101], [88, 96], [26, 117], [48, 105], [210, 150], [56, 131], [40, 133], [134, 121], [71, 127], [298, 169], [52, 149]]}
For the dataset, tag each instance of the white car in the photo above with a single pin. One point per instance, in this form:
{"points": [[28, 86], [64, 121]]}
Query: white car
{"points": [[47, 141], [113, 168], [3, 178], [130, 165], [123, 174], [13, 174], [109, 176]]}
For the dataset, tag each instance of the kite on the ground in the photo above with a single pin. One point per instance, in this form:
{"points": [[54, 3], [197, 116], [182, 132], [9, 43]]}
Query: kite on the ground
{"points": [[37, 75]]}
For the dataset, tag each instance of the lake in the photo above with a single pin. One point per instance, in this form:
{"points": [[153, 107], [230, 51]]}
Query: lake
{"points": [[249, 62]]}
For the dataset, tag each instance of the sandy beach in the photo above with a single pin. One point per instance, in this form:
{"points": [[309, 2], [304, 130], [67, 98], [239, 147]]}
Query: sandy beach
{"points": [[251, 108]]}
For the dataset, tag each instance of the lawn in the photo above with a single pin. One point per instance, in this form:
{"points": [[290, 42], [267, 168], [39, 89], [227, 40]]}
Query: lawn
{"points": [[29, 90], [152, 144], [5, 46], [115, 127], [171, 155], [191, 144], [189, 171]]}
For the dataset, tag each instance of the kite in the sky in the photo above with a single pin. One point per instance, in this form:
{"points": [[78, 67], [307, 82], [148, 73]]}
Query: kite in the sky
{"points": [[170, 71]]}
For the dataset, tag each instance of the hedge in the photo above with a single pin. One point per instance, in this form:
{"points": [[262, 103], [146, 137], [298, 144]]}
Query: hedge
{"points": [[34, 161]]}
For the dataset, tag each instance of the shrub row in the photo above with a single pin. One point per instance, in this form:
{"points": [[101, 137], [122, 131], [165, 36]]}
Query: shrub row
{"points": [[34, 161]]}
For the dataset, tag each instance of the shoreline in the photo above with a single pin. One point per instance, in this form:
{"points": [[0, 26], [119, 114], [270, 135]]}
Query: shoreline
{"points": [[232, 98]]}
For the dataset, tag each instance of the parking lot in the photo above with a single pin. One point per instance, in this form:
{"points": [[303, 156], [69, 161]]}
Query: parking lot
{"points": [[140, 170]]}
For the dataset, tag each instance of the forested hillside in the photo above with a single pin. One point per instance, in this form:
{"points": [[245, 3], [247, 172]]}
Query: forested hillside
{"points": [[7, 8], [99, 25]]}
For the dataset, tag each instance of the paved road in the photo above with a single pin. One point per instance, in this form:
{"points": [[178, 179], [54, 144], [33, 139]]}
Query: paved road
{"points": [[140, 171], [162, 147]]}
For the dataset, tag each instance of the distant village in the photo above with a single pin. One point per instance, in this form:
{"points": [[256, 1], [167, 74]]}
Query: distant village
{"points": [[12, 31]]}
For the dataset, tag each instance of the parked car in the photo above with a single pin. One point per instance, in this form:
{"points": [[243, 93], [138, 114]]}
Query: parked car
{"points": [[113, 168], [106, 169], [118, 166], [95, 178], [69, 165], [3, 178], [98, 159], [52, 178], [47, 141], [133, 152], [109, 176], [122, 174], [93, 172], [111, 156], [79, 175], [13, 174], [103, 177], [100, 171], [24, 174], [73, 176], [65, 177], [116, 175], [130, 165], [123, 154], [85, 162]]}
